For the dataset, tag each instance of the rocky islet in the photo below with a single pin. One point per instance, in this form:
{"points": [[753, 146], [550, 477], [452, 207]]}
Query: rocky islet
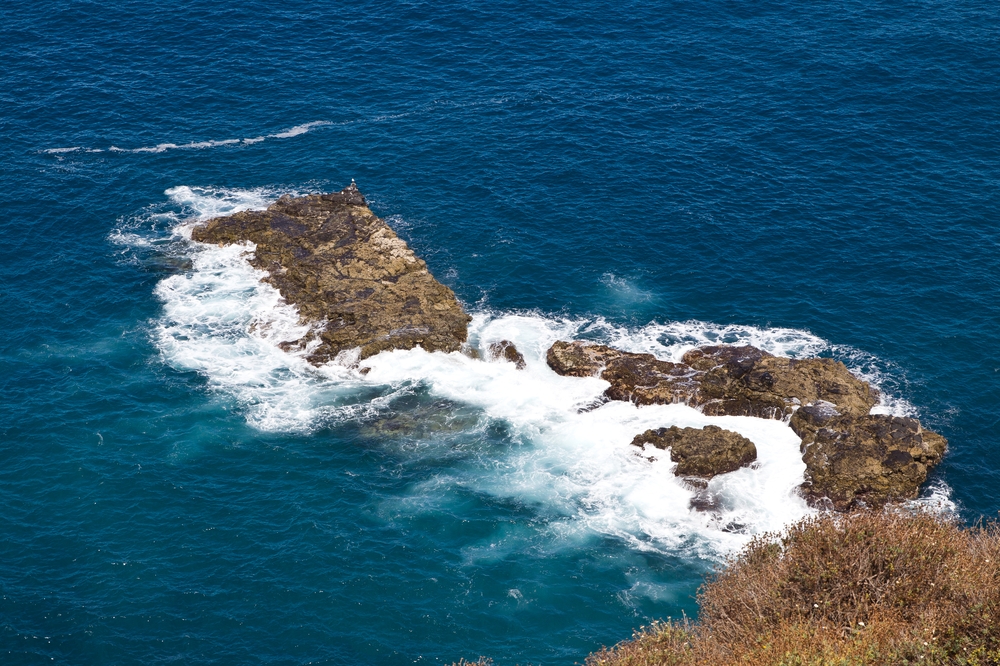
{"points": [[364, 291], [701, 452], [853, 458]]}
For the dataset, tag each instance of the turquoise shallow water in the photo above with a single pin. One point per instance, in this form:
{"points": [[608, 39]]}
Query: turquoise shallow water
{"points": [[809, 179]]}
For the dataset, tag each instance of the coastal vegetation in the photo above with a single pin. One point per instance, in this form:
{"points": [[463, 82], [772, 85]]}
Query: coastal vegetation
{"points": [[851, 589]]}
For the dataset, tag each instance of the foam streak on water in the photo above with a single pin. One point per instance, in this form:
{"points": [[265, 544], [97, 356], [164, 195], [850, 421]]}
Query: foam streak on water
{"points": [[569, 454], [197, 145]]}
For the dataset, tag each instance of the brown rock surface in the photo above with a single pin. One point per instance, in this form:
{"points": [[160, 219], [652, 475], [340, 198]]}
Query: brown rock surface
{"points": [[579, 359], [734, 381], [864, 460], [646, 380], [852, 457], [640, 378], [348, 274], [745, 381], [506, 351], [701, 452]]}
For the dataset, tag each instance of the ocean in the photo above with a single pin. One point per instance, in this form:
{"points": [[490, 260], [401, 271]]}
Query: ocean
{"points": [[813, 179]]}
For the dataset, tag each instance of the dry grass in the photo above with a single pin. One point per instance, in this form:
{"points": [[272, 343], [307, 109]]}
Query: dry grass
{"points": [[864, 588]]}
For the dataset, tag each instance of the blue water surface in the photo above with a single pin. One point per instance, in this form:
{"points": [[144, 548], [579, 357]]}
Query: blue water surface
{"points": [[827, 167]]}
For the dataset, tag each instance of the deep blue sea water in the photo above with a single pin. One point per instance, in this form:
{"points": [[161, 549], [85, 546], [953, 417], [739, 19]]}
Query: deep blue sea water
{"points": [[810, 177]]}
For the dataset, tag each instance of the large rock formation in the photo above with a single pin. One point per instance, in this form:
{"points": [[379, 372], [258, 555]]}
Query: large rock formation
{"points": [[701, 452], [866, 460], [852, 456], [348, 274]]}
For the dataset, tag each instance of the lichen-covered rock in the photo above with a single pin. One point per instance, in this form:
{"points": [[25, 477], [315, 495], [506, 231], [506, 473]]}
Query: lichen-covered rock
{"points": [[701, 452], [745, 381], [721, 380], [811, 417], [735, 361], [348, 273], [579, 359], [866, 460], [505, 350]]}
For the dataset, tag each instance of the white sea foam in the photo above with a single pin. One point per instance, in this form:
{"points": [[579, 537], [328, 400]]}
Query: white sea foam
{"points": [[936, 498], [203, 203], [581, 464], [298, 129], [567, 453], [221, 321], [166, 226]]}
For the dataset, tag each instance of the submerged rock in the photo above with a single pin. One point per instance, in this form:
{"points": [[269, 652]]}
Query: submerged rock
{"points": [[505, 350], [867, 460], [701, 452], [348, 273], [414, 418]]}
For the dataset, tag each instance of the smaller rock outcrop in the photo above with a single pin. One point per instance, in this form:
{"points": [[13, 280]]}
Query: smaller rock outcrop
{"points": [[701, 452], [868, 460], [506, 351]]}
